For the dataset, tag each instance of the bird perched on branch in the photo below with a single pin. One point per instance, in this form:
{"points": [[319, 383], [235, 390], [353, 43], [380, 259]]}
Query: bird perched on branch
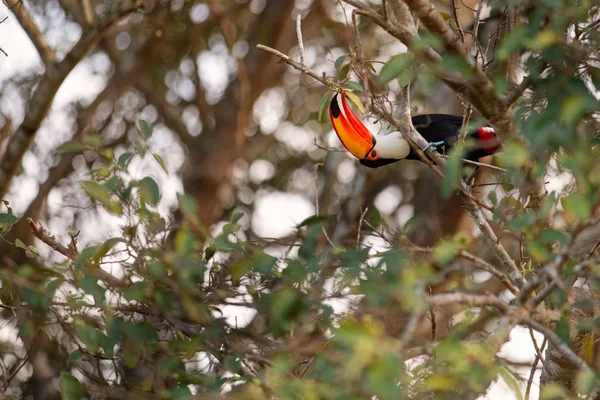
{"points": [[441, 131]]}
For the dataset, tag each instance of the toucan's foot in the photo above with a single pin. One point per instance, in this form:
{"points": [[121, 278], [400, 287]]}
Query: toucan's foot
{"points": [[433, 144], [468, 180]]}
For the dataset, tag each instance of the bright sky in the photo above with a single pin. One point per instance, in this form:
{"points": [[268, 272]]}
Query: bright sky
{"points": [[276, 213]]}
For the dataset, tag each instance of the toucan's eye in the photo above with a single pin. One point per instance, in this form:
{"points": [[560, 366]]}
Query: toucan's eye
{"points": [[373, 155]]}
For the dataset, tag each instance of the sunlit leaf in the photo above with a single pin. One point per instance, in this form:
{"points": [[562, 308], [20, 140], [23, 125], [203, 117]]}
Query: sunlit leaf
{"points": [[586, 381], [161, 161], [354, 99], [96, 190], [105, 247], [72, 147]]}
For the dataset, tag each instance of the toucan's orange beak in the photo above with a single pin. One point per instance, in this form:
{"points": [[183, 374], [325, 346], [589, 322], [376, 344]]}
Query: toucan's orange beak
{"points": [[355, 137]]}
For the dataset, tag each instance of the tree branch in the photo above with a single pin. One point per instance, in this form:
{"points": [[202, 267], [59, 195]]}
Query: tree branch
{"points": [[29, 26], [71, 253], [558, 344]]}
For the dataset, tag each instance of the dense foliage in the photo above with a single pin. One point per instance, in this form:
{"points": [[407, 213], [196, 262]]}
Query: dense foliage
{"points": [[401, 284]]}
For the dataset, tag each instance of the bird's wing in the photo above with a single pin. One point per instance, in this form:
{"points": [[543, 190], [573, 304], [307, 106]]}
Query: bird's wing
{"points": [[438, 127]]}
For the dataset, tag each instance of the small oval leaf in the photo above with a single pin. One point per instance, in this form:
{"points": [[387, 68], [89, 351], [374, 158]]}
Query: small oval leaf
{"points": [[149, 190], [322, 106], [354, 98]]}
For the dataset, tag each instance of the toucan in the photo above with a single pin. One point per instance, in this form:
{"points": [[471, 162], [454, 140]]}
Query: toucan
{"points": [[439, 130]]}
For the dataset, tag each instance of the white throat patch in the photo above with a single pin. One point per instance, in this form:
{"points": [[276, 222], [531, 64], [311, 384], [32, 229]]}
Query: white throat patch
{"points": [[392, 145]]}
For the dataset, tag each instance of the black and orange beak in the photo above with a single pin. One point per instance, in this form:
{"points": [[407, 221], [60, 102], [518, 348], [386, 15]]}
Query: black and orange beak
{"points": [[353, 134]]}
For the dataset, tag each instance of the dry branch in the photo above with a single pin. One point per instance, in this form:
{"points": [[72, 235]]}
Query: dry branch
{"points": [[71, 253], [36, 36]]}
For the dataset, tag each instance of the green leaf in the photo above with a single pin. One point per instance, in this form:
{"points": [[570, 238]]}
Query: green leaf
{"points": [[395, 66], [124, 160], [35, 300], [8, 219], [312, 221], [235, 217], [353, 98], [445, 252], [71, 388], [144, 129], [94, 140], [322, 105], [91, 337], [452, 174], [90, 285], [150, 191], [552, 391], [562, 330], [453, 63], [586, 381], [514, 154], [512, 380], [339, 61], [407, 76], [577, 207], [72, 147], [446, 16], [353, 85], [156, 269], [96, 191], [131, 358], [105, 247], [161, 161], [76, 355], [137, 292], [344, 72], [427, 80], [188, 205]]}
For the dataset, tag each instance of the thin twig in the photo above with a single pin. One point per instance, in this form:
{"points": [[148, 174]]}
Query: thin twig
{"points": [[88, 12], [363, 67], [317, 203], [360, 222], [591, 253], [457, 22], [474, 47], [29, 26], [484, 265], [71, 253], [533, 369], [558, 344], [411, 326], [300, 41], [538, 352]]}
